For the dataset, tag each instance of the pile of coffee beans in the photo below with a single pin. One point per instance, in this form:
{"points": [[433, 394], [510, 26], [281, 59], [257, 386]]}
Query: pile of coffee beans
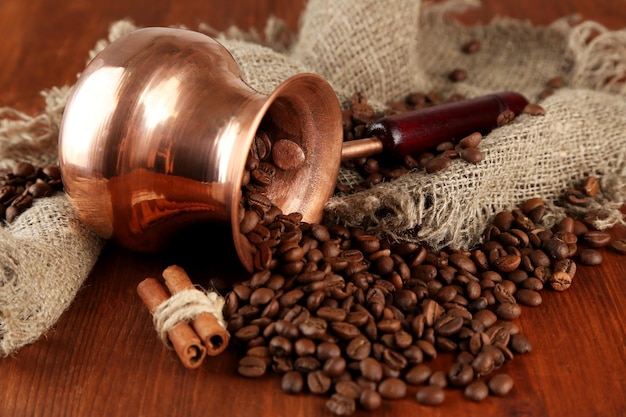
{"points": [[22, 184], [342, 313], [374, 169]]}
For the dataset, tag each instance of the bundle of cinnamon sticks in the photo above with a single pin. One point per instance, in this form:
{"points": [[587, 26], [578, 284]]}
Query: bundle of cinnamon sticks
{"points": [[193, 334]]}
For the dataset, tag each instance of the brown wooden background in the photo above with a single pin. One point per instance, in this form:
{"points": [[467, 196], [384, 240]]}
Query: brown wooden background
{"points": [[102, 359]]}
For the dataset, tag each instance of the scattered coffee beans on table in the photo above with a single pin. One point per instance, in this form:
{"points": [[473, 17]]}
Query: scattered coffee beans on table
{"points": [[22, 184], [340, 313]]}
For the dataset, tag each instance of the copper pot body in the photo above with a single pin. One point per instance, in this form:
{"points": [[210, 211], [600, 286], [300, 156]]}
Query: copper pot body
{"points": [[156, 134]]}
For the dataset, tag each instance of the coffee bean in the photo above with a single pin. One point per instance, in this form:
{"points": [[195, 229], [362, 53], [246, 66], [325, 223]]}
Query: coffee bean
{"points": [[251, 367], [327, 350], [505, 117], [292, 382], [392, 389], [471, 155], [438, 163], [430, 395], [332, 314], [534, 109], [341, 405], [418, 374], [439, 379], [528, 297], [576, 197], [560, 280], [458, 75], [556, 248], [471, 46], [471, 141], [596, 239], [287, 155], [591, 186], [370, 400], [590, 257], [334, 367], [500, 385], [619, 246], [460, 374], [519, 343], [344, 330], [508, 311], [371, 369], [318, 382]]}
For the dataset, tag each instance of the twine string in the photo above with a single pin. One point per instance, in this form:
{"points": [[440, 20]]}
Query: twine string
{"points": [[185, 306]]}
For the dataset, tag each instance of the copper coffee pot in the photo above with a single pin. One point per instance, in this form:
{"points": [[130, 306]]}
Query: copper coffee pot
{"points": [[157, 130]]}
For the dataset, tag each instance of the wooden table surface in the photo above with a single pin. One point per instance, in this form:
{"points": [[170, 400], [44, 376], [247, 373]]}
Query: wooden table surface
{"points": [[103, 359]]}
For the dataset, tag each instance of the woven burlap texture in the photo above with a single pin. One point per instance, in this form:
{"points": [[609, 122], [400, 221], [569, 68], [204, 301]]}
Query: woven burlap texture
{"points": [[47, 253]]}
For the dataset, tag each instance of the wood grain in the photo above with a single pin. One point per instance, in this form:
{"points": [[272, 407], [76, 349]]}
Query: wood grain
{"points": [[103, 357]]}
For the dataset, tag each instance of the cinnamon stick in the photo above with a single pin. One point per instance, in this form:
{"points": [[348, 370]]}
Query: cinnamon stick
{"points": [[184, 340], [212, 333]]}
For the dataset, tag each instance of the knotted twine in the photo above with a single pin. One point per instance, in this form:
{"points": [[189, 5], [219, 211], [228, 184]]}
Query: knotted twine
{"points": [[184, 306], [386, 50]]}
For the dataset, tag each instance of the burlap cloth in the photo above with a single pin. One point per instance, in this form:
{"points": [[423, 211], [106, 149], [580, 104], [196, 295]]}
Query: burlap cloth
{"points": [[387, 50]]}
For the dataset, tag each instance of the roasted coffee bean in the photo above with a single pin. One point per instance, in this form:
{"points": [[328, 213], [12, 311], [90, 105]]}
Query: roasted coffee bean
{"points": [[332, 314], [287, 155], [508, 311], [556, 249], [500, 384], [471, 155], [280, 346], [438, 163], [292, 382], [590, 257], [261, 296], [519, 343], [619, 246], [304, 347], [507, 263], [418, 374], [341, 405], [591, 186], [371, 369], [576, 197], [471, 141], [534, 110], [370, 400], [448, 324], [528, 297], [344, 330], [327, 350], [439, 379], [318, 382], [460, 374], [596, 238], [476, 391], [471, 46], [458, 75], [505, 117], [392, 389], [349, 388], [560, 280], [430, 395], [306, 364], [334, 367], [251, 367], [247, 333], [40, 189]]}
